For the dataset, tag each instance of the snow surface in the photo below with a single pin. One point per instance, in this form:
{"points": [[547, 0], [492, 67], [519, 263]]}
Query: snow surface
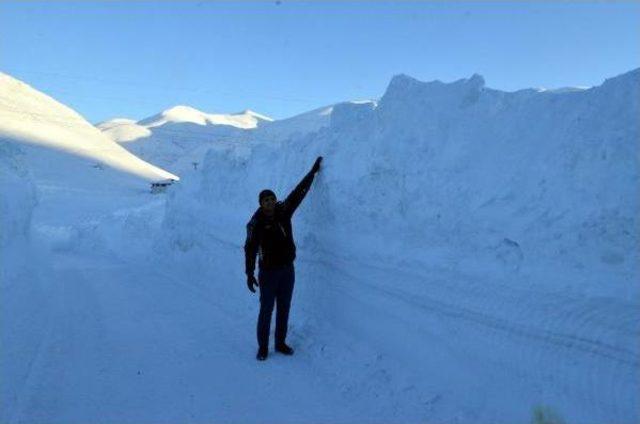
{"points": [[465, 255]]}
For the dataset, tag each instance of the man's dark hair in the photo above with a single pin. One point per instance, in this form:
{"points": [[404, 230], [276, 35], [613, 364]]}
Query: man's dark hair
{"points": [[265, 193]]}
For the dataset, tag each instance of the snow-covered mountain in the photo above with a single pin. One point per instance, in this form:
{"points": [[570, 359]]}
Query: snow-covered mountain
{"points": [[124, 130], [180, 136], [185, 114], [59, 141], [176, 137]]}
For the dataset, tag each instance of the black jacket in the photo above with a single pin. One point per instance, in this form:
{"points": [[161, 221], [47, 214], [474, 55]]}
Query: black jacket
{"points": [[271, 237]]}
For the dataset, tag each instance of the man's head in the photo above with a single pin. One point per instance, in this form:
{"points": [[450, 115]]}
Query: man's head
{"points": [[267, 199]]}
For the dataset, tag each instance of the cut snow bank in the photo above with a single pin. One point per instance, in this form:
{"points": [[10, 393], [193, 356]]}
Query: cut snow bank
{"points": [[459, 231], [301, 125], [455, 175], [18, 199], [24, 308]]}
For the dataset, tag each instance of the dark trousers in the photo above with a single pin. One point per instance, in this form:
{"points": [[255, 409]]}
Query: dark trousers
{"points": [[276, 286]]}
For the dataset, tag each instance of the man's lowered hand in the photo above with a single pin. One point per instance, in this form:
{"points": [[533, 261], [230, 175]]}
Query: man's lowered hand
{"points": [[251, 282]]}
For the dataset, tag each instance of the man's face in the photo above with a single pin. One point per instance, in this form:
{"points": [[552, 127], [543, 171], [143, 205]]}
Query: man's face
{"points": [[268, 204]]}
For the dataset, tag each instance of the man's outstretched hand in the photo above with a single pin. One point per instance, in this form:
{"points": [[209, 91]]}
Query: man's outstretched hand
{"points": [[251, 282], [316, 165]]}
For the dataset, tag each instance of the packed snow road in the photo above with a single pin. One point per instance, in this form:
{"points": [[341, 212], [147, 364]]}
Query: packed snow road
{"points": [[135, 341], [491, 349], [115, 329], [124, 344]]}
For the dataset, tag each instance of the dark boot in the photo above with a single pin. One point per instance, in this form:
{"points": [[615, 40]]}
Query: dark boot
{"points": [[262, 354], [284, 349]]}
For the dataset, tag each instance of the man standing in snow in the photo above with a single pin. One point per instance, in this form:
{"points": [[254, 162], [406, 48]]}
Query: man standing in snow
{"points": [[269, 234]]}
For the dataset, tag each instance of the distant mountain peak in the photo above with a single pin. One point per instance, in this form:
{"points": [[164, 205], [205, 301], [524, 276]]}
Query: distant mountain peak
{"points": [[178, 114]]}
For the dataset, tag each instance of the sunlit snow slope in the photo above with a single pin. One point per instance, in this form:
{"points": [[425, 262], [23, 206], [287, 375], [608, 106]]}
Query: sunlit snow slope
{"points": [[46, 127]]}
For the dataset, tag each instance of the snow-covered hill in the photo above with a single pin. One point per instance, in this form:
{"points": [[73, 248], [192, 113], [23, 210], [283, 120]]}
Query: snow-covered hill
{"points": [[176, 137], [59, 141]]}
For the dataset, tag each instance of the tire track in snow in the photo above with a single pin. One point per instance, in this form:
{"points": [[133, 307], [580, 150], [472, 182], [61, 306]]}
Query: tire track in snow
{"points": [[589, 341], [33, 366], [193, 355], [73, 310], [580, 320]]}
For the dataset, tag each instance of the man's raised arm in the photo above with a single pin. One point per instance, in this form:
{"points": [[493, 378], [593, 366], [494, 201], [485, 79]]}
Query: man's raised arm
{"points": [[294, 198]]}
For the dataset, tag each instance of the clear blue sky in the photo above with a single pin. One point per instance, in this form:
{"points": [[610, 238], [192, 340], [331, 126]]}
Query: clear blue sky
{"points": [[280, 58]]}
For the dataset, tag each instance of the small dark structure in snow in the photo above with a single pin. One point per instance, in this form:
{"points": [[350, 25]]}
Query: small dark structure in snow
{"points": [[161, 186]]}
